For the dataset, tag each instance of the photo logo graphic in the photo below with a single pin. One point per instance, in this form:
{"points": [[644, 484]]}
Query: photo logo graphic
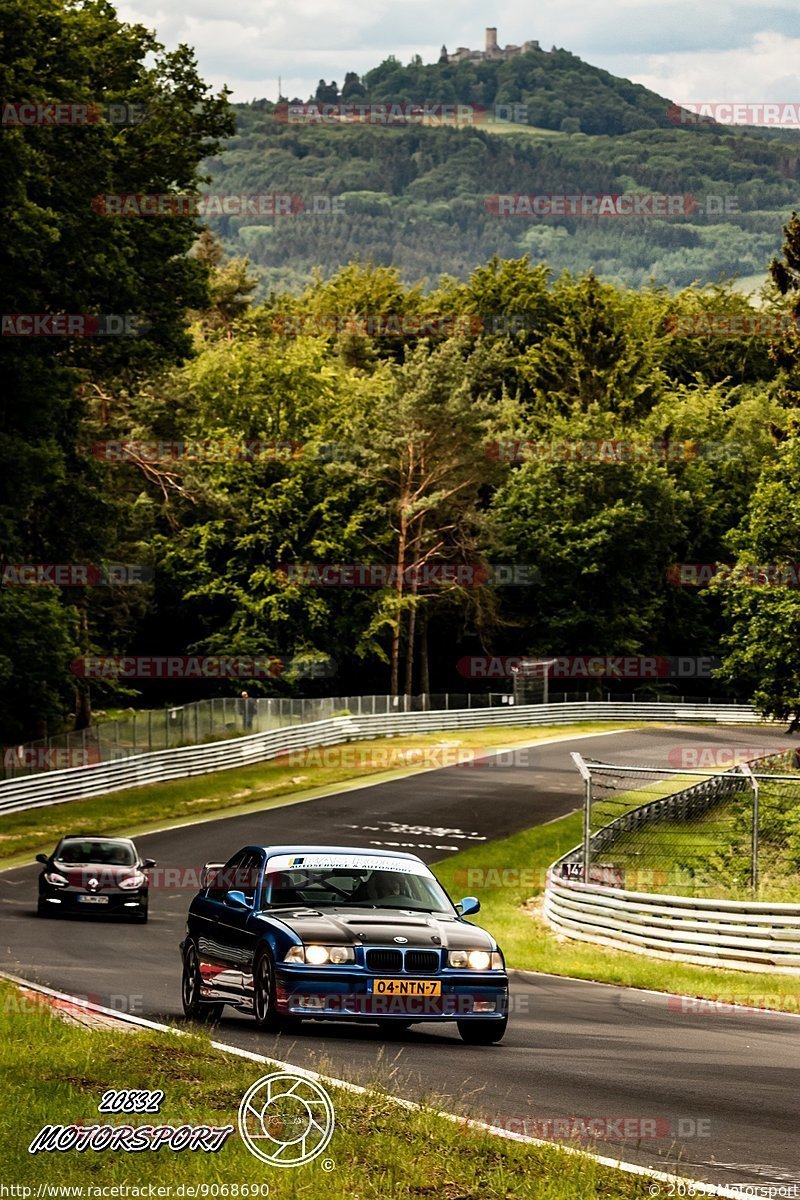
{"points": [[286, 1120]]}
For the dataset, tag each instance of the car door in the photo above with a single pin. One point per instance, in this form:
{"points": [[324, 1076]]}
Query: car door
{"points": [[236, 930], [212, 924]]}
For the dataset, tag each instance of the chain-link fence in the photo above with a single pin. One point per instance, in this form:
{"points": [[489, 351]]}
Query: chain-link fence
{"points": [[727, 834], [211, 720], [224, 717]]}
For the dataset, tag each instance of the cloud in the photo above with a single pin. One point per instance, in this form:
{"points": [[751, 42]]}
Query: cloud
{"points": [[725, 49], [765, 69]]}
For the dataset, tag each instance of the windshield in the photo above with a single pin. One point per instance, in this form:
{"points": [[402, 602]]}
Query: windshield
{"points": [[77, 851], [338, 887]]}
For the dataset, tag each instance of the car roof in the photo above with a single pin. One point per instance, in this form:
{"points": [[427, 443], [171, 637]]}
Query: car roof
{"points": [[94, 837], [361, 851]]}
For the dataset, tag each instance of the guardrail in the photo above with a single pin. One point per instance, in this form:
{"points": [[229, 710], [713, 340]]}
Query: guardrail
{"points": [[135, 770], [748, 935], [744, 935]]}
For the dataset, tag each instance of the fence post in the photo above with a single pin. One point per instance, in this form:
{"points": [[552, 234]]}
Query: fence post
{"points": [[586, 776], [746, 770]]}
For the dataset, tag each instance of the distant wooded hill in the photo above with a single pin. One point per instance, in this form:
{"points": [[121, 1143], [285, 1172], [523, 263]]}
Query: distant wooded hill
{"points": [[420, 197]]}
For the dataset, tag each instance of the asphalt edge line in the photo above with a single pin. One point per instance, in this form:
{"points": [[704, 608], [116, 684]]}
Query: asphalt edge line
{"points": [[706, 1189], [627, 988]]}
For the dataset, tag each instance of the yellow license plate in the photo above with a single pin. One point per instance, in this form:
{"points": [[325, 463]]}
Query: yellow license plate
{"points": [[406, 987]]}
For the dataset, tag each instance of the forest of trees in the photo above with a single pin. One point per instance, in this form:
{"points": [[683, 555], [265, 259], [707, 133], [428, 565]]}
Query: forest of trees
{"points": [[419, 198], [373, 420]]}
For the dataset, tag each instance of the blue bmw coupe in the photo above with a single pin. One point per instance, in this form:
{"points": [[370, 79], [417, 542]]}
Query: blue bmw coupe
{"points": [[287, 933]]}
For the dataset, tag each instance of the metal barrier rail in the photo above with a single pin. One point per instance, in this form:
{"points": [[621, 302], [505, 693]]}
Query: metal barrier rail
{"points": [[135, 770], [746, 934]]}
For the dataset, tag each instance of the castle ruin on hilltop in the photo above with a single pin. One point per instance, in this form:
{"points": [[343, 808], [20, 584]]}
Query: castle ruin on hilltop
{"points": [[492, 53]]}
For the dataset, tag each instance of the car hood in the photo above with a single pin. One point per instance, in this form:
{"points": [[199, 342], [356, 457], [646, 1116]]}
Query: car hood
{"points": [[376, 927], [105, 876]]}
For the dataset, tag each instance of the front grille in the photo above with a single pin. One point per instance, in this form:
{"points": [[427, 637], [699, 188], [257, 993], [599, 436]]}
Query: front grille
{"points": [[385, 960], [422, 960]]}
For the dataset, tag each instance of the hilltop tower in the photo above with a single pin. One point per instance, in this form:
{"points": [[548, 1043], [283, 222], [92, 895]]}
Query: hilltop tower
{"points": [[492, 53]]}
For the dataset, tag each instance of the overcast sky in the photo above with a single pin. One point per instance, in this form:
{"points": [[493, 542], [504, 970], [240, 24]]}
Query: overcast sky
{"points": [[688, 50]]}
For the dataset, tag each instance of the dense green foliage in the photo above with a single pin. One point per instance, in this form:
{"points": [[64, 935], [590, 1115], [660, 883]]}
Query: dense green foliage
{"points": [[60, 255], [411, 451], [390, 423], [418, 197]]}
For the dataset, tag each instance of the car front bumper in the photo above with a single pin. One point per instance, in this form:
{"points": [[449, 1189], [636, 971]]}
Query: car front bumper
{"points": [[77, 901], [336, 993]]}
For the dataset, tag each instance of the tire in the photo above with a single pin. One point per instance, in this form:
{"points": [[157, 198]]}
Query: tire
{"points": [[482, 1031], [193, 1006], [141, 917], [41, 909], [264, 1013]]}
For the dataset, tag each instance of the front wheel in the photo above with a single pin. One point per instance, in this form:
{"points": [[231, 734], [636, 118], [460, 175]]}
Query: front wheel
{"points": [[266, 1017], [482, 1031], [193, 1007]]}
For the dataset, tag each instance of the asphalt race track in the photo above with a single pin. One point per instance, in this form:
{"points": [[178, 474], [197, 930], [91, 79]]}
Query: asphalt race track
{"points": [[573, 1049]]}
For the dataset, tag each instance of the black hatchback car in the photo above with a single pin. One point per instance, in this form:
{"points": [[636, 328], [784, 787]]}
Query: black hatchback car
{"points": [[98, 875]]}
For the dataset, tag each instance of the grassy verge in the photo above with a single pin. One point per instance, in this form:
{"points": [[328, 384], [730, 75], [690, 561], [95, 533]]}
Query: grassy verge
{"points": [[378, 1149], [261, 785], [509, 875], [710, 856]]}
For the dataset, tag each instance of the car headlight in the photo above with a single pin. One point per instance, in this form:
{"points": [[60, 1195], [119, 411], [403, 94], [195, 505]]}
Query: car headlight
{"points": [[133, 881], [56, 880], [317, 956], [476, 960]]}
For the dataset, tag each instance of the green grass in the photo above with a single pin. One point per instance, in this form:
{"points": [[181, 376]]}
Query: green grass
{"points": [[261, 785], [508, 877], [378, 1149], [709, 856]]}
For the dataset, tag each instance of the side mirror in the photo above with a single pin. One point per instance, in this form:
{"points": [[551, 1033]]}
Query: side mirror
{"points": [[468, 906], [42, 858], [236, 900], [147, 863]]}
